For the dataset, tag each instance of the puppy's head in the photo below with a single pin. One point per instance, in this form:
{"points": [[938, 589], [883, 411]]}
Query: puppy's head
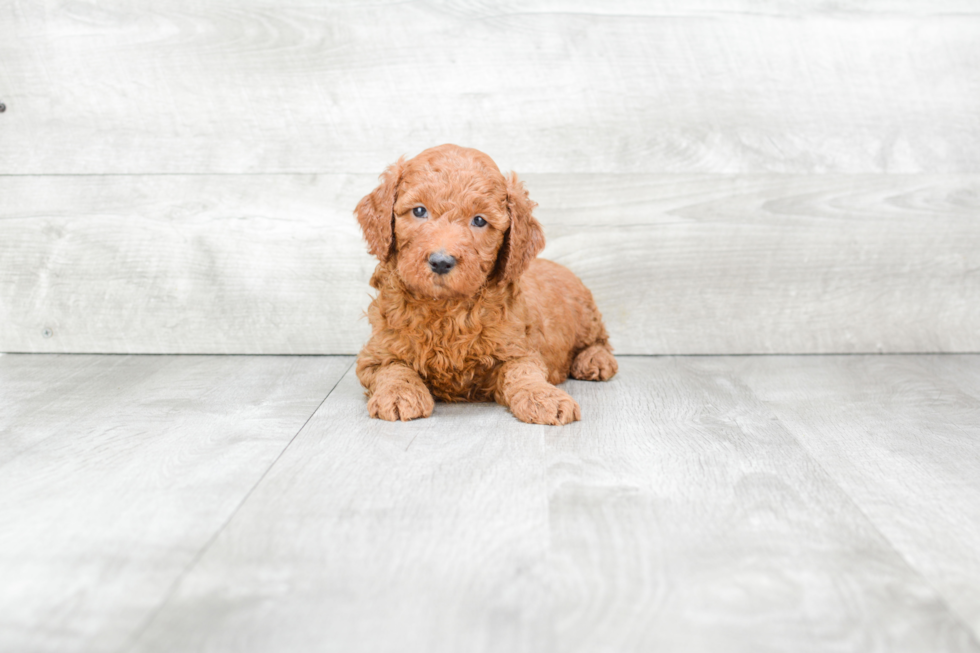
{"points": [[450, 222]]}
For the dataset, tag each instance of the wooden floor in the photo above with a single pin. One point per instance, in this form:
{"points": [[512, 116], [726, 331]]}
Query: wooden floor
{"points": [[186, 503]]}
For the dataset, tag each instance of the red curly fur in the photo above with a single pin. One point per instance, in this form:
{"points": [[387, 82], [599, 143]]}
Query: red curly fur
{"points": [[501, 325]]}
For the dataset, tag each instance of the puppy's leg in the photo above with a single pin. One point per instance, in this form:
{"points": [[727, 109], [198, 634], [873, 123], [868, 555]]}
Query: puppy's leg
{"points": [[396, 392], [523, 387], [595, 363]]}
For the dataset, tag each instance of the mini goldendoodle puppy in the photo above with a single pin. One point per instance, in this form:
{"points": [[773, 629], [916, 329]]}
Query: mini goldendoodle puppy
{"points": [[464, 311]]}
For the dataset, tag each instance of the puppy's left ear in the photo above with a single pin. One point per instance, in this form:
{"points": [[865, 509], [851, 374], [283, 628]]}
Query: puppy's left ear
{"points": [[376, 212], [525, 237]]}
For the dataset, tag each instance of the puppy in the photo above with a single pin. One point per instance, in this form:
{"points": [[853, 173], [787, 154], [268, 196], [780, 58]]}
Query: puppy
{"points": [[464, 311]]}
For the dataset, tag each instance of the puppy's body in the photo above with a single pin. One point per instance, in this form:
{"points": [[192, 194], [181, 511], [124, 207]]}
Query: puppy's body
{"points": [[457, 347], [498, 324]]}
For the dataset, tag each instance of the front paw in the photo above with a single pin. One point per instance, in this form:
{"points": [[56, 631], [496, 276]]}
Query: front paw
{"points": [[544, 404], [401, 401], [594, 364]]}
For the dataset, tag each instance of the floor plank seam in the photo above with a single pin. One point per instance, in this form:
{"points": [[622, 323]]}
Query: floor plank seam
{"points": [[148, 621], [891, 545]]}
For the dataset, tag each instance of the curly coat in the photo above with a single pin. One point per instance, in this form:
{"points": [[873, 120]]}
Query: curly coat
{"points": [[499, 325]]}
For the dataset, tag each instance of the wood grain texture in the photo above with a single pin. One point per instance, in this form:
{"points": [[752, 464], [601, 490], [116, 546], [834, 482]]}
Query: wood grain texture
{"points": [[679, 515], [714, 87], [684, 517], [429, 536], [183, 264], [116, 471], [679, 264], [901, 435]]}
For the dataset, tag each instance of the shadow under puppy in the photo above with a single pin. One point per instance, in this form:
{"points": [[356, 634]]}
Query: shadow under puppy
{"points": [[464, 310]]}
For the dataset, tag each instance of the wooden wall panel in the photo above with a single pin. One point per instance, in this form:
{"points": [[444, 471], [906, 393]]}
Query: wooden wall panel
{"points": [[679, 264], [709, 87], [729, 176], [208, 264]]}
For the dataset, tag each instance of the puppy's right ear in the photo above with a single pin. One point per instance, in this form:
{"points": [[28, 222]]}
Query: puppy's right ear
{"points": [[376, 212]]}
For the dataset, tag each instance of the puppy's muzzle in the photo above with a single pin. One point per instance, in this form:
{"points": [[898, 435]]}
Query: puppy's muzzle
{"points": [[441, 263]]}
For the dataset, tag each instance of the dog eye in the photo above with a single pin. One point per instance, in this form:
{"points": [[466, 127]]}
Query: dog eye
{"points": [[419, 212], [479, 221]]}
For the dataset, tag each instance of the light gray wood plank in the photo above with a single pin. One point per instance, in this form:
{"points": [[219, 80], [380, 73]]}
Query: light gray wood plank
{"points": [[34, 389], [666, 8], [678, 515], [685, 518], [116, 471], [429, 536], [773, 264], [964, 371], [902, 436], [679, 264], [184, 264], [722, 87]]}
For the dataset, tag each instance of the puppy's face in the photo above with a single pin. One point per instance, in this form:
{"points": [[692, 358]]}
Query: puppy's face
{"points": [[450, 222]]}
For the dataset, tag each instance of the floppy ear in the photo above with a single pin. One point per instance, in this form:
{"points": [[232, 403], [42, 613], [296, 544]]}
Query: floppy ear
{"points": [[375, 212], [525, 237]]}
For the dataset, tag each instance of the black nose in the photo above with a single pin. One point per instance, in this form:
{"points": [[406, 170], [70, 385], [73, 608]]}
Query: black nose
{"points": [[441, 262]]}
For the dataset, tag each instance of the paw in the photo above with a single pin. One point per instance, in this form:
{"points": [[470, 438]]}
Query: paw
{"points": [[545, 404], [401, 401], [594, 364]]}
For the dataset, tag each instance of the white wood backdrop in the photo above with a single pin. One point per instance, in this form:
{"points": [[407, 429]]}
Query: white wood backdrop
{"points": [[729, 176]]}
